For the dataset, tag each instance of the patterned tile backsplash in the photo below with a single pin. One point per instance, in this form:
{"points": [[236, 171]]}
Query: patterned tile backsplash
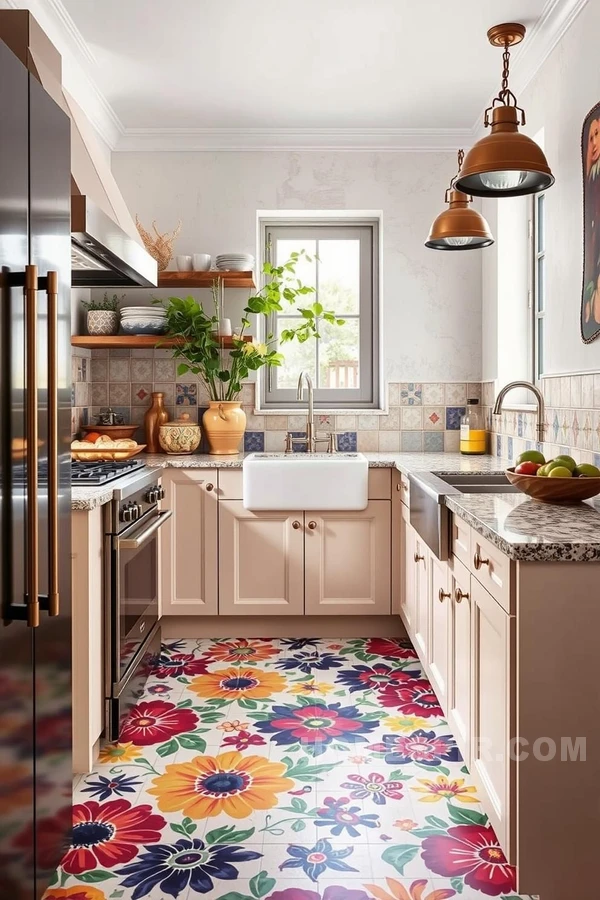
{"points": [[572, 420], [420, 416]]}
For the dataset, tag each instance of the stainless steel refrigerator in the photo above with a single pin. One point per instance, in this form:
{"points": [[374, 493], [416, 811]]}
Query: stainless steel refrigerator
{"points": [[35, 507]]}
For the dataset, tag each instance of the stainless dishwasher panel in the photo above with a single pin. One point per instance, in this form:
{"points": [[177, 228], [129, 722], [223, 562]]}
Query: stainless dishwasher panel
{"points": [[429, 516]]}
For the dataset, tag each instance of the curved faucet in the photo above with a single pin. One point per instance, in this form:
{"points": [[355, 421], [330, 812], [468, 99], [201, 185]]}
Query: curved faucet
{"points": [[541, 413], [310, 424]]}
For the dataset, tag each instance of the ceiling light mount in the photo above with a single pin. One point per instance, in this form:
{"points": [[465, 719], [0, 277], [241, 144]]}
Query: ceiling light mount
{"points": [[505, 163], [459, 227]]}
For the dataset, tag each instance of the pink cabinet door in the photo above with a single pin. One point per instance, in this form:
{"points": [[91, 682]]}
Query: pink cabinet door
{"points": [[493, 725], [459, 702], [189, 543], [439, 649], [348, 561], [261, 561], [422, 566], [409, 577]]}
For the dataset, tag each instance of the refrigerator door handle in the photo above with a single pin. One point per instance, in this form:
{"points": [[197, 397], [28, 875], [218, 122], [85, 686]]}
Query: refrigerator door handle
{"points": [[33, 604], [53, 584]]}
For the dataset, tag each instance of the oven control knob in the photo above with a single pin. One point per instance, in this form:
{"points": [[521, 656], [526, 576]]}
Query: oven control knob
{"points": [[161, 492], [126, 514], [153, 495], [139, 510]]}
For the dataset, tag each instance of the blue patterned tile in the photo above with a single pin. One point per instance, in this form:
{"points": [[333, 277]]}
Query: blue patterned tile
{"points": [[411, 441], [498, 445], [346, 442], [254, 441], [510, 450], [453, 414], [186, 394], [433, 441], [520, 425], [299, 448], [597, 459], [411, 393]]}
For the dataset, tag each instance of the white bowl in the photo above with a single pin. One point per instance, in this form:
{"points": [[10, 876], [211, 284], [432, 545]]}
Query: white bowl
{"points": [[201, 262], [143, 325]]}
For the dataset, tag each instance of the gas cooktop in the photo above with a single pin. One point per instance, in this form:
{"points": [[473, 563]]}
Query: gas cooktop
{"points": [[102, 472]]}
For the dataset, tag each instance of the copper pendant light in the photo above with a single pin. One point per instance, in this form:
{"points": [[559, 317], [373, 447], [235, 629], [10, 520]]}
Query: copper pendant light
{"points": [[505, 163], [459, 227]]}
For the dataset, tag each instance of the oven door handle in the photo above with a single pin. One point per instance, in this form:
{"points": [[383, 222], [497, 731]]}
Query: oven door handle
{"points": [[135, 542]]}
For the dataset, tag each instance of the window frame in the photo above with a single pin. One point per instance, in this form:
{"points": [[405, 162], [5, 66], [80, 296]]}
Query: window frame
{"points": [[538, 285], [367, 230]]}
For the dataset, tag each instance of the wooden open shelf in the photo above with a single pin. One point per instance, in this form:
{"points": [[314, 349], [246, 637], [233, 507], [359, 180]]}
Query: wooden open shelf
{"points": [[205, 279], [135, 341]]}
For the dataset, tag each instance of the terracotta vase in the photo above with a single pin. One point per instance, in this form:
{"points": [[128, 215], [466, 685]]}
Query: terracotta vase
{"points": [[156, 416], [224, 425]]}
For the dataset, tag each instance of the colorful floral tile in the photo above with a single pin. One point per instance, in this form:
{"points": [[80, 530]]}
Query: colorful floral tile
{"points": [[453, 416], [411, 393], [186, 394], [254, 441], [282, 769], [346, 442]]}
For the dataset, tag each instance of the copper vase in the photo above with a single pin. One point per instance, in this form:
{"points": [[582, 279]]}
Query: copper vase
{"points": [[156, 416]]}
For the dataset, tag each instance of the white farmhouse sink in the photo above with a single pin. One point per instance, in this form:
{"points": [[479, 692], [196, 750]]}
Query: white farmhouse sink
{"points": [[305, 481]]}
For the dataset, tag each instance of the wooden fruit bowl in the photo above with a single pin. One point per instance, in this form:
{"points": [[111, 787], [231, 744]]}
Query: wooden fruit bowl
{"points": [[98, 454], [115, 432], [555, 490]]}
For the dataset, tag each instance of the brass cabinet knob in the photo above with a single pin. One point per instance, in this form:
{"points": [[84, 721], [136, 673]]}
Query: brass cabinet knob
{"points": [[442, 595], [478, 562], [459, 596], [312, 525], [404, 485], [210, 487], [418, 558], [295, 524]]}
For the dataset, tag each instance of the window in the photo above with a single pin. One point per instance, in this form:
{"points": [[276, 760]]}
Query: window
{"points": [[539, 283], [344, 361]]}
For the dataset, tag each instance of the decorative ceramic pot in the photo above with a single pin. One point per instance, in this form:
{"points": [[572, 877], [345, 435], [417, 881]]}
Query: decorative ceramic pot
{"points": [[156, 416], [182, 436], [102, 321], [224, 423]]}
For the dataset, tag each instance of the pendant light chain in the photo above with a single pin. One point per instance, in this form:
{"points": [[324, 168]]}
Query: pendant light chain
{"points": [[505, 96]]}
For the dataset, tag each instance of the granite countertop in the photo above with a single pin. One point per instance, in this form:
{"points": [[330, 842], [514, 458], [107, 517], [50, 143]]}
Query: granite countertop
{"points": [[520, 527]]}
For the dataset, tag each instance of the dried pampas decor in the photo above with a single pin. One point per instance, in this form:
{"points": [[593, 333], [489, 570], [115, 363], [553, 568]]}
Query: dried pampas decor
{"points": [[160, 247]]}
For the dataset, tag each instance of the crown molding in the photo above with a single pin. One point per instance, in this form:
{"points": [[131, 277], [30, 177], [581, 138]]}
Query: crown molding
{"points": [[529, 56], [290, 139]]}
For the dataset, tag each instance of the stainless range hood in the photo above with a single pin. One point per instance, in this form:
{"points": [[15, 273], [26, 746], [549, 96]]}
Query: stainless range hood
{"points": [[102, 254], [106, 249]]}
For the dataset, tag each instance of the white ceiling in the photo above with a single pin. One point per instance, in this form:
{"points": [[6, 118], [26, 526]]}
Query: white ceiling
{"points": [[296, 63]]}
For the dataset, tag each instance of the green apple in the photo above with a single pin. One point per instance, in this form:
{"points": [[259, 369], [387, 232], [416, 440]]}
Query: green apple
{"points": [[530, 456], [587, 470], [567, 461], [560, 472]]}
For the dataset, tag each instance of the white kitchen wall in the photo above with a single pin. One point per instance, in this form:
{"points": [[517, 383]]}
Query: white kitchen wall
{"points": [[431, 299], [556, 100]]}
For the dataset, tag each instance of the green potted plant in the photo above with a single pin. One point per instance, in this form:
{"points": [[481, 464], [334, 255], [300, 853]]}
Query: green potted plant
{"points": [[223, 364], [102, 315]]}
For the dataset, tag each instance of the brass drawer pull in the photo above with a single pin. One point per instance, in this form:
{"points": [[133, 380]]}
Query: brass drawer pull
{"points": [[459, 596], [442, 595], [296, 525], [478, 562], [418, 558], [210, 487], [312, 525]]}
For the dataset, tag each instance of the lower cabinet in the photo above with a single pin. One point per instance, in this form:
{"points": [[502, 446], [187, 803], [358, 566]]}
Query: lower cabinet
{"points": [[421, 562], [189, 543], [492, 652], [459, 687], [439, 645], [261, 561], [347, 558]]}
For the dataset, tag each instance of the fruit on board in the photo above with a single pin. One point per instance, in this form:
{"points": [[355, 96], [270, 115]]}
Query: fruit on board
{"points": [[531, 456], [587, 470], [92, 436], [527, 468], [560, 472], [567, 461]]}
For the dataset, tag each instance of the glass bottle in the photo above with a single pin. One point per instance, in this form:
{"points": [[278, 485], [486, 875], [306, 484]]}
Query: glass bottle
{"points": [[156, 416], [473, 436]]}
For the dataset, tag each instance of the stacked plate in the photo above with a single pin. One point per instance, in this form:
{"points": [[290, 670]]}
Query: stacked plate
{"points": [[143, 320], [235, 262]]}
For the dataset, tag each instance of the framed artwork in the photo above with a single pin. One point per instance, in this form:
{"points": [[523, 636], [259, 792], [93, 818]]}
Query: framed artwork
{"points": [[590, 159]]}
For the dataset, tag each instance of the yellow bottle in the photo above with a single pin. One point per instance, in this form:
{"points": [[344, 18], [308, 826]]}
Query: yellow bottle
{"points": [[473, 436]]}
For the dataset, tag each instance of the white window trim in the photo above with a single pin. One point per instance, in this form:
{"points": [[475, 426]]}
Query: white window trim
{"points": [[276, 217]]}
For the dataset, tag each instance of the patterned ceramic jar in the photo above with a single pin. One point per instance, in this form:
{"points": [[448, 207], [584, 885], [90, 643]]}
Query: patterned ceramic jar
{"points": [[103, 321], [182, 436]]}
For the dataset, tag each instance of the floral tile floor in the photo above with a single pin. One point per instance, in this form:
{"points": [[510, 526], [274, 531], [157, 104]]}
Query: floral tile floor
{"points": [[300, 769]]}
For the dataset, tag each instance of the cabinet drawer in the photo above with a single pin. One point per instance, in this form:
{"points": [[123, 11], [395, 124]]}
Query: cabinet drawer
{"points": [[404, 487], [460, 536], [493, 570], [231, 484]]}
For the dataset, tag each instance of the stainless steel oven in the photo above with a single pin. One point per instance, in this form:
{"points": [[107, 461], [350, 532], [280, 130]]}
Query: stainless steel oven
{"points": [[132, 630]]}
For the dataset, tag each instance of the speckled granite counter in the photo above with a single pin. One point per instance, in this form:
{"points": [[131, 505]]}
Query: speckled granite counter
{"points": [[520, 527], [526, 530]]}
